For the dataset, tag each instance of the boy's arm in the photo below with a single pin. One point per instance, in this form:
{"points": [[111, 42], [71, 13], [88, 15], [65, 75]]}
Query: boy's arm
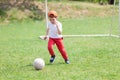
{"points": [[58, 28], [59, 31]]}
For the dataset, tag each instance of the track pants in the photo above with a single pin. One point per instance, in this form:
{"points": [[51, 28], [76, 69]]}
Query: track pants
{"points": [[60, 46]]}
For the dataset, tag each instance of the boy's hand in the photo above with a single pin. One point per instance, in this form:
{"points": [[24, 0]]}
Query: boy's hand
{"points": [[55, 20], [45, 37]]}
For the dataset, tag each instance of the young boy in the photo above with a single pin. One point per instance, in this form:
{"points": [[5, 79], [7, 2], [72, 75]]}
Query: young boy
{"points": [[54, 31]]}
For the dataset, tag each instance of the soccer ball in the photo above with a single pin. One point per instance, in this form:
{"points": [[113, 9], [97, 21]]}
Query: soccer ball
{"points": [[38, 64]]}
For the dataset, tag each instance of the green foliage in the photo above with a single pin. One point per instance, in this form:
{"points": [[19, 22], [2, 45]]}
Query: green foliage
{"points": [[15, 14], [21, 10], [36, 10], [2, 13], [99, 1]]}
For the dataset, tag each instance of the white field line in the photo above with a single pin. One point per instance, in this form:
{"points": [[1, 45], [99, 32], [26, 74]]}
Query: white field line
{"points": [[87, 35], [115, 36]]}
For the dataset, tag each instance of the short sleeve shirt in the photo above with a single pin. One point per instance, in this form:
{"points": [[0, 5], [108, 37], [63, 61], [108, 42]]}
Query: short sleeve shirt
{"points": [[53, 32]]}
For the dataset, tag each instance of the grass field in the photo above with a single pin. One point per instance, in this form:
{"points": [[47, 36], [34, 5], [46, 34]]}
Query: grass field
{"points": [[93, 58]]}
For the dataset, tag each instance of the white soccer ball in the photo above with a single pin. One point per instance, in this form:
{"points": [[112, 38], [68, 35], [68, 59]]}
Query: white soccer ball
{"points": [[39, 64]]}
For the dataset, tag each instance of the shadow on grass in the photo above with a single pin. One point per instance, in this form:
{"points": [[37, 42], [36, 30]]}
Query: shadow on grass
{"points": [[29, 67], [59, 63]]}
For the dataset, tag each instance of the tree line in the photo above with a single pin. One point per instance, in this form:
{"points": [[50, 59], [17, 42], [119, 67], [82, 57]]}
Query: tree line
{"points": [[108, 1], [99, 1], [34, 8], [93, 1]]}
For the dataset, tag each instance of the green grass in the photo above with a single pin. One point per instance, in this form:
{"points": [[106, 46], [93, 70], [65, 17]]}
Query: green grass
{"points": [[93, 58], [91, 25]]}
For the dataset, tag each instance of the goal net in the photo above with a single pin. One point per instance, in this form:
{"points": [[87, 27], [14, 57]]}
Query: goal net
{"points": [[104, 21]]}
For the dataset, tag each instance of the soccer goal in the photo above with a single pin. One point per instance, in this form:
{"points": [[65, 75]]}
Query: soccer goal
{"points": [[93, 26]]}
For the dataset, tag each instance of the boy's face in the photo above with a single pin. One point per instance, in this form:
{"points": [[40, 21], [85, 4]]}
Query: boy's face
{"points": [[52, 20]]}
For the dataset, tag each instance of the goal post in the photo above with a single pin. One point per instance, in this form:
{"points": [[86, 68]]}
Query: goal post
{"points": [[119, 19], [112, 20], [46, 11], [91, 35]]}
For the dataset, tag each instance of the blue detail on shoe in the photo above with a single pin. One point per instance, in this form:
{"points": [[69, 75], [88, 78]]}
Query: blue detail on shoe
{"points": [[52, 59]]}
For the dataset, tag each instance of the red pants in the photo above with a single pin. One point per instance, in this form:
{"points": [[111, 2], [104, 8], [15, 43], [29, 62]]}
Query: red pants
{"points": [[60, 46]]}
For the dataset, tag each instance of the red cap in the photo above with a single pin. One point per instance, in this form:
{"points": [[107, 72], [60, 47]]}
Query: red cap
{"points": [[52, 14]]}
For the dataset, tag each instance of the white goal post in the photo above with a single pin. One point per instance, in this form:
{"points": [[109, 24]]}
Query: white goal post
{"points": [[87, 35], [119, 19]]}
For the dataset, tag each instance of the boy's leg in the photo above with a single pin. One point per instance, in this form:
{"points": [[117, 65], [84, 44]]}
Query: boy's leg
{"points": [[61, 48], [50, 47]]}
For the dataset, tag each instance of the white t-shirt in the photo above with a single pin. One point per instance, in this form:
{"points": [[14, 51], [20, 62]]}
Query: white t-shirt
{"points": [[53, 32]]}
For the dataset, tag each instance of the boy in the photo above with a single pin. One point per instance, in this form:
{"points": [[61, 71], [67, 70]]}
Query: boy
{"points": [[54, 31]]}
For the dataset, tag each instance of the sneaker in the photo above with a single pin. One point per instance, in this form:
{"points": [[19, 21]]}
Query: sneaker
{"points": [[67, 61], [52, 59]]}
